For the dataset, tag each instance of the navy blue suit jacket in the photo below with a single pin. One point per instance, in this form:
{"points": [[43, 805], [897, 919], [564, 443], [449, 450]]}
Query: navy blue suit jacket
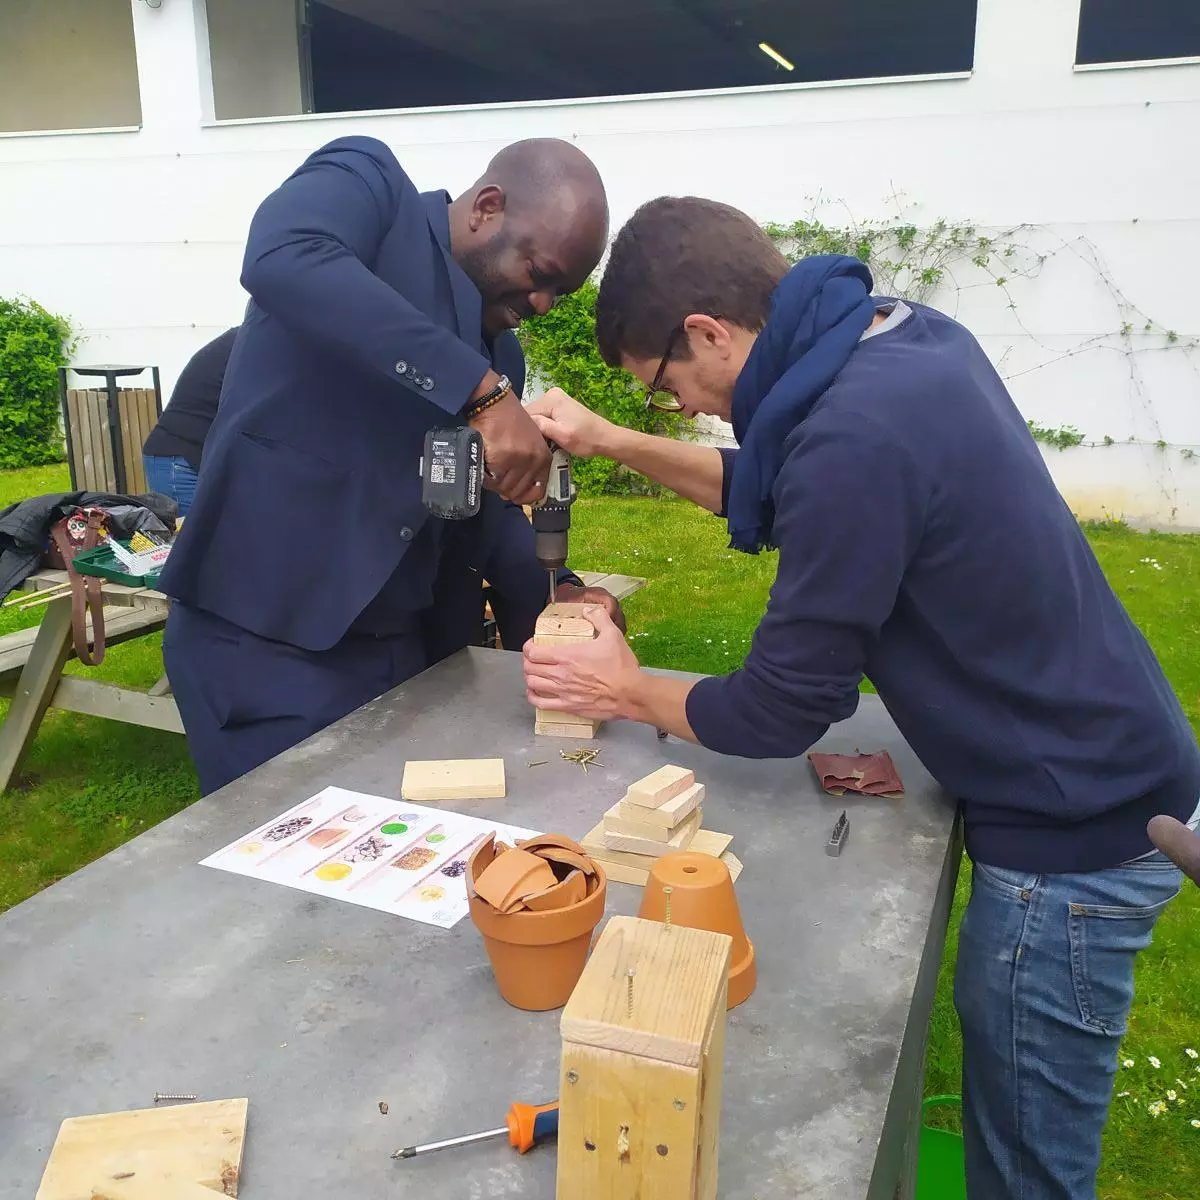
{"points": [[362, 333]]}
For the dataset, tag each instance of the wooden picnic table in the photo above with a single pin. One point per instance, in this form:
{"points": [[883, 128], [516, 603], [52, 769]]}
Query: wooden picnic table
{"points": [[32, 662]]}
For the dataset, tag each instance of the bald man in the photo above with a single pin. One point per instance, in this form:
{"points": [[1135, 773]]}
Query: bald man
{"points": [[308, 567]]}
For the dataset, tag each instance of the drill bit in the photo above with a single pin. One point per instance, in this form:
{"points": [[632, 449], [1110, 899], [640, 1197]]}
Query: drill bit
{"points": [[553, 583]]}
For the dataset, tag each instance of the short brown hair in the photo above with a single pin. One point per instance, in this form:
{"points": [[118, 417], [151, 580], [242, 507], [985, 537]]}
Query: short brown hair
{"points": [[679, 255]]}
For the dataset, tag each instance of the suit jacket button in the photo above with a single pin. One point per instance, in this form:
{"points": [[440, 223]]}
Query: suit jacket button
{"points": [[402, 367], [406, 534], [427, 384]]}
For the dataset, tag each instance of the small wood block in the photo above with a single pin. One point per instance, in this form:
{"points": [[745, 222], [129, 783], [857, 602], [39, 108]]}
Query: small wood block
{"points": [[619, 872], [560, 724], [453, 779], [563, 625], [705, 842], [616, 822], [195, 1144], [660, 786], [681, 839], [642, 1065], [667, 816]]}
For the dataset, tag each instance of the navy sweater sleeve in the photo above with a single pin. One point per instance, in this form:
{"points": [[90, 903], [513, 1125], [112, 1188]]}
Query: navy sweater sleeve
{"points": [[850, 507], [307, 260]]}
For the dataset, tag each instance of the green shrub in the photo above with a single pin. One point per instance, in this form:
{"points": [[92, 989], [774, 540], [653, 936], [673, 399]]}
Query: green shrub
{"points": [[561, 351], [33, 345]]}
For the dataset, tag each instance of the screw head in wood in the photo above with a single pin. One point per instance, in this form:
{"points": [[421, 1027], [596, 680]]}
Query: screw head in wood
{"points": [[662, 1150], [572, 1076]]}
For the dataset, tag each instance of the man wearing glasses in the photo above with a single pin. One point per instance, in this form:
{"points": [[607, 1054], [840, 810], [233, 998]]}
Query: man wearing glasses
{"points": [[923, 545]]}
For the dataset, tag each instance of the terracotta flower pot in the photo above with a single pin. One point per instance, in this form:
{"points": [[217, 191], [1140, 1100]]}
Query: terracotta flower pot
{"points": [[537, 957], [702, 897]]}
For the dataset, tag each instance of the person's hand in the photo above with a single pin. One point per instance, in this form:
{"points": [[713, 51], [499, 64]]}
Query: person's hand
{"points": [[570, 424], [568, 593], [515, 455], [591, 679], [1178, 843]]}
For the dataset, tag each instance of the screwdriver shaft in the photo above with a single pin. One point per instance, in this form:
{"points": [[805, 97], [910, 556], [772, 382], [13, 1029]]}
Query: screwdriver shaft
{"points": [[450, 1143]]}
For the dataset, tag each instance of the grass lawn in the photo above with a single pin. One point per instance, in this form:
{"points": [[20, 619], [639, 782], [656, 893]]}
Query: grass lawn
{"points": [[92, 784]]}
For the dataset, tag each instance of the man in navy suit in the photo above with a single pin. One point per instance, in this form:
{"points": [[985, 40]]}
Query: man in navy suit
{"points": [[308, 574]]}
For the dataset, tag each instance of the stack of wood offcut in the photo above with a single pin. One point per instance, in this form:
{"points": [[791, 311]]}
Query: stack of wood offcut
{"points": [[660, 814]]}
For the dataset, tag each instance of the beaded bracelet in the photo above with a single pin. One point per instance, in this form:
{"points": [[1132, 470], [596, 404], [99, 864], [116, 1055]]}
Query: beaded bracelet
{"points": [[474, 408]]}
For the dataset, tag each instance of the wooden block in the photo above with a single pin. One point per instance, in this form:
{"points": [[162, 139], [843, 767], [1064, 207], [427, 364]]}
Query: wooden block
{"points": [[641, 1076], [616, 822], [453, 779], [621, 872], [563, 625], [624, 867], [660, 786], [681, 839], [196, 1144], [555, 724], [668, 815]]}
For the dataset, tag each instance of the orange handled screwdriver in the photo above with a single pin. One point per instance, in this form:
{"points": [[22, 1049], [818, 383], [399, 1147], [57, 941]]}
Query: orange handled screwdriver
{"points": [[524, 1126]]}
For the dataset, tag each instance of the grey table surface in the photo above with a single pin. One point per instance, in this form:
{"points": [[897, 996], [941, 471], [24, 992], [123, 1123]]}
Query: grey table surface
{"points": [[146, 972]]}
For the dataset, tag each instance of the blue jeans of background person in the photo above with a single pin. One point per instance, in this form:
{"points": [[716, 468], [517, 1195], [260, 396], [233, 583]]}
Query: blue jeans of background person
{"points": [[171, 476], [1043, 988]]}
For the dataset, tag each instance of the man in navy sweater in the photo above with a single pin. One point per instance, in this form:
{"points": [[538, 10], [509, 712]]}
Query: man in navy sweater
{"points": [[922, 544]]}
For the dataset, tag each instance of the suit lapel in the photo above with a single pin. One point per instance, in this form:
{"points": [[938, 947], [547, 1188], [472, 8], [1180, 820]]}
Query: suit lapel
{"points": [[468, 304]]}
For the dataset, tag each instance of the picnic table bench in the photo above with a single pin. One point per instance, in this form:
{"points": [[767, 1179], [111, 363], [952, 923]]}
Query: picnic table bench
{"points": [[32, 662]]}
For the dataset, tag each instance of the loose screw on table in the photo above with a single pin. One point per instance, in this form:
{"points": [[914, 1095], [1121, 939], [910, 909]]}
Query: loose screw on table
{"points": [[169, 1097]]}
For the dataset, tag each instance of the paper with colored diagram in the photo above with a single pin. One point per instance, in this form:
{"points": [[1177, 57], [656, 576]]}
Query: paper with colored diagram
{"points": [[390, 855]]}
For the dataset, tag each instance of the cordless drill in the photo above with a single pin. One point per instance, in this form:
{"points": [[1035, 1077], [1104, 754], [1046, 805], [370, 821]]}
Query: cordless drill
{"points": [[451, 487]]}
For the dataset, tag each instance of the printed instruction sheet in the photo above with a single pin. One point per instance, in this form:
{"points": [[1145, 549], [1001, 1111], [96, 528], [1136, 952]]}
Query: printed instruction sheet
{"points": [[391, 855]]}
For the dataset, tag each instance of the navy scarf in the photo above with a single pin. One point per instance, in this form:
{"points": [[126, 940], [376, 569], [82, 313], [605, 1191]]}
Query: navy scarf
{"points": [[819, 312]]}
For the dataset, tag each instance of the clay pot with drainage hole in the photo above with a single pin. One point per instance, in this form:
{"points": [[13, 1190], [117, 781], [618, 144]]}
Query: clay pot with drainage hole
{"points": [[702, 897], [537, 957]]}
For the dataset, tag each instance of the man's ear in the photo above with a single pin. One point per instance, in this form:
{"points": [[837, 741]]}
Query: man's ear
{"points": [[489, 204], [707, 333]]}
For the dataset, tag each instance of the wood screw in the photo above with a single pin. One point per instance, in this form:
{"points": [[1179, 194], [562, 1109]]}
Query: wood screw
{"points": [[572, 1076], [629, 980], [667, 893], [662, 1150], [169, 1097], [680, 1105]]}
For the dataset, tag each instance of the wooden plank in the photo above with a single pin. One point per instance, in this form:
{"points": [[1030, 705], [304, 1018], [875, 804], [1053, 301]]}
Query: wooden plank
{"points": [[141, 1186], [199, 1143], [660, 786], [122, 623], [563, 625], [77, 402], [116, 704], [39, 677], [129, 404], [637, 876], [76, 463], [706, 841], [453, 779], [679, 975], [613, 1119], [680, 839], [620, 587], [102, 439], [668, 815]]}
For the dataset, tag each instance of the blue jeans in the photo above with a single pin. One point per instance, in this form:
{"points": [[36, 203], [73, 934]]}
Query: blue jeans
{"points": [[1043, 989], [171, 476]]}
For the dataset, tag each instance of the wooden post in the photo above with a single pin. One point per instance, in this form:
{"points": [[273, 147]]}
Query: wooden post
{"points": [[563, 625], [642, 1064]]}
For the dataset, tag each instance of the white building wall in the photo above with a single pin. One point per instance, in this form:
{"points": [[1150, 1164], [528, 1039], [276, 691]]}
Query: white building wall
{"points": [[138, 236]]}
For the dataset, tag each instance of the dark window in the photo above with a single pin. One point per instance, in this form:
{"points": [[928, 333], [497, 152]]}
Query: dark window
{"points": [[386, 54], [1116, 31]]}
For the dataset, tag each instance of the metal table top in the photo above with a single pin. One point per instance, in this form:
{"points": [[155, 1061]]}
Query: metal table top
{"points": [[146, 972]]}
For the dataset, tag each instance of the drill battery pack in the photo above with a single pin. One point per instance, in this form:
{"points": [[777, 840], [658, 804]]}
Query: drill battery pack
{"points": [[452, 473]]}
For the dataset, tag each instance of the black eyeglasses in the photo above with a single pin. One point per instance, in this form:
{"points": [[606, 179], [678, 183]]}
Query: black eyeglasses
{"points": [[658, 396]]}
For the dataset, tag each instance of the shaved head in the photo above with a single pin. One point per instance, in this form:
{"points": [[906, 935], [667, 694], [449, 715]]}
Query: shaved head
{"points": [[530, 229]]}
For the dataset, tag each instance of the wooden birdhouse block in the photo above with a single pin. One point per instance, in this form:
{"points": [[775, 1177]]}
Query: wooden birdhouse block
{"points": [[642, 1064], [563, 625]]}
